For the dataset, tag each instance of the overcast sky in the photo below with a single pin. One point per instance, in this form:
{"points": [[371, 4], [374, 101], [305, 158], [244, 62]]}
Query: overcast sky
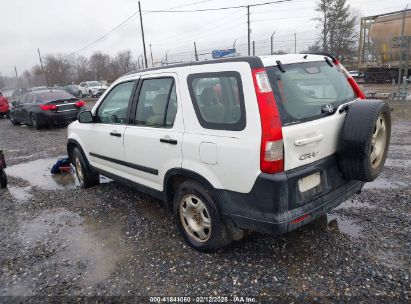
{"points": [[65, 26]]}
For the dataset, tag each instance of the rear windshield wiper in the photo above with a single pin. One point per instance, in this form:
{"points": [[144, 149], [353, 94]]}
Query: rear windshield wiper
{"points": [[280, 66], [328, 61]]}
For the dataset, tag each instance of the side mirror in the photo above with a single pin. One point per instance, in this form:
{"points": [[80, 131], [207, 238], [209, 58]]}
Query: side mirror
{"points": [[85, 117], [14, 103]]}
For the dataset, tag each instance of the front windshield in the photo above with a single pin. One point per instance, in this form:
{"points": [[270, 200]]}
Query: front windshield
{"points": [[304, 88], [94, 83]]}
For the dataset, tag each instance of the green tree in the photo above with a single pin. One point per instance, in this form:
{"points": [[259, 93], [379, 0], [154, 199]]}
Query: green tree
{"points": [[339, 30]]}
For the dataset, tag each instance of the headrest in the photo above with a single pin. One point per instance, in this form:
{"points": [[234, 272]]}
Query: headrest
{"points": [[159, 104], [208, 96]]}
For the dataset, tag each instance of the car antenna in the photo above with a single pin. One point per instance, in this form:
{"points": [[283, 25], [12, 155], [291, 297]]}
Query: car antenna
{"points": [[280, 66]]}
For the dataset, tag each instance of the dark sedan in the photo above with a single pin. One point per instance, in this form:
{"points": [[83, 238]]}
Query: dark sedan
{"points": [[46, 108]]}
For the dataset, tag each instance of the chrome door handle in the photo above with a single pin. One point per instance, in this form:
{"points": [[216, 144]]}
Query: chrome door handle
{"points": [[309, 140]]}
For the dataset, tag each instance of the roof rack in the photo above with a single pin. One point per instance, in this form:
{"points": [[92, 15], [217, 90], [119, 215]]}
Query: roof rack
{"points": [[253, 61]]}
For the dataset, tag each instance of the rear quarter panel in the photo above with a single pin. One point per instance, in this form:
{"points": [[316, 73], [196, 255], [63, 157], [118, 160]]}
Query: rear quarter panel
{"points": [[237, 156]]}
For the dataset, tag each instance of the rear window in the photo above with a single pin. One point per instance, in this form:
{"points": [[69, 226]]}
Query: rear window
{"points": [[52, 96], [304, 88]]}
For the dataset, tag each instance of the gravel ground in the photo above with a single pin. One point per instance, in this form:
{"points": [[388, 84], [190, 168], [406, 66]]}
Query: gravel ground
{"points": [[57, 239]]}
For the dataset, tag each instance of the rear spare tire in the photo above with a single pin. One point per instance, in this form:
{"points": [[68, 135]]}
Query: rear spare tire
{"points": [[364, 140]]}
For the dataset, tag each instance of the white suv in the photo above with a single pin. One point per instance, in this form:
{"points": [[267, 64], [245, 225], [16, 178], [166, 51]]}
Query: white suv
{"points": [[241, 144], [91, 88]]}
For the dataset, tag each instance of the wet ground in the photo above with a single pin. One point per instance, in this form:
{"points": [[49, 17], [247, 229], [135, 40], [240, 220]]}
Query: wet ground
{"points": [[57, 239]]}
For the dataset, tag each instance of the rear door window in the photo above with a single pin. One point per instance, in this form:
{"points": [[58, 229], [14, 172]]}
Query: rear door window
{"points": [[218, 100], [304, 88]]}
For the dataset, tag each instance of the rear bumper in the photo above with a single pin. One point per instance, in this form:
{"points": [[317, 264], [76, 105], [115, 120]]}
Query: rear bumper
{"points": [[275, 205], [58, 118]]}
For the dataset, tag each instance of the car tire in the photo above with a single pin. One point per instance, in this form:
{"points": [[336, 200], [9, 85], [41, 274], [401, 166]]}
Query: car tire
{"points": [[86, 176], [3, 179], [8, 115], [90, 94], [13, 120], [198, 218], [35, 122], [80, 94], [364, 140]]}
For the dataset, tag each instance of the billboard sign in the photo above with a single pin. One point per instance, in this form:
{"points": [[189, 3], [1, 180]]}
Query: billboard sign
{"points": [[223, 53]]}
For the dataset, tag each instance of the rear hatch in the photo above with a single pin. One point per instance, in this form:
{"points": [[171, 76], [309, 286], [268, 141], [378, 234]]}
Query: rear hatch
{"points": [[309, 96]]}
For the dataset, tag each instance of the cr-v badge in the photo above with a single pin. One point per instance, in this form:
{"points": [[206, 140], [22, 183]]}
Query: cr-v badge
{"points": [[308, 155]]}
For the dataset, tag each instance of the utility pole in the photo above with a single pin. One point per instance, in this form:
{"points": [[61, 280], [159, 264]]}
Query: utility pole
{"points": [[195, 51], [17, 77], [42, 68], [401, 66], [142, 34], [151, 55], [253, 48], [167, 57], [295, 43], [248, 28], [272, 45]]}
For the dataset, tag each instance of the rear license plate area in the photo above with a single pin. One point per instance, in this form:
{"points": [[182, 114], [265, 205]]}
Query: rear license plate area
{"points": [[308, 187], [309, 182]]}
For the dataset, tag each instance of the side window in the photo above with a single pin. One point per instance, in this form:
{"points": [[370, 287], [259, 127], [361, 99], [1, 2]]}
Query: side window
{"points": [[113, 109], [23, 99], [218, 100], [157, 103], [30, 98]]}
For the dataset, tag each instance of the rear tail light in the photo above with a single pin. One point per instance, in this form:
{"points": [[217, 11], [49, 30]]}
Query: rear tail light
{"points": [[80, 103], [357, 90], [272, 148], [48, 107]]}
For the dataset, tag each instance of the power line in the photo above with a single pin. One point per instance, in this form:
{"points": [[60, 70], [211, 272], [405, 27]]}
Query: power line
{"points": [[105, 35], [124, 22], [217, 8], [212, 25]]}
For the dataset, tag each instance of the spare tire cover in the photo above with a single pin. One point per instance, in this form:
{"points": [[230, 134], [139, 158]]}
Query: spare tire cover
{"points": [[364, 140]]}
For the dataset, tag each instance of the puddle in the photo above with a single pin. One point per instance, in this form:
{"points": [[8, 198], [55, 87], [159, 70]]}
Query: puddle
{"points": [[402, 163], [21, 194], [355, 204], [37, 173], [19, 289], [105, 180], [382, 183], [88, 246], [343, 225], [389, 258]]}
